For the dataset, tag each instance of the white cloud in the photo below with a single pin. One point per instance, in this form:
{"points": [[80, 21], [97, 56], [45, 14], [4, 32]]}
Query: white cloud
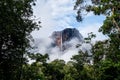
{"points": [[57, 15], [50, 10]]}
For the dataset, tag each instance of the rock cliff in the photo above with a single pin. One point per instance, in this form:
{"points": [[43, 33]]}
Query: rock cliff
{"points": [[60, 38]]}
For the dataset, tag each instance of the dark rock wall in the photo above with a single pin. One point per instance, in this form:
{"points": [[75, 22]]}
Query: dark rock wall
{"points": [[66, 35]]}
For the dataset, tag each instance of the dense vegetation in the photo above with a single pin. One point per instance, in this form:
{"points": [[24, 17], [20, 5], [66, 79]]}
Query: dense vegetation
{"points": [[16, 26]]}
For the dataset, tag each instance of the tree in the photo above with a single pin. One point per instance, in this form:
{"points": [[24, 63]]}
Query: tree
{"points": [[70, 71], [54, 70], [35, 70], [15, 29], [81, 63], [106, 54]]}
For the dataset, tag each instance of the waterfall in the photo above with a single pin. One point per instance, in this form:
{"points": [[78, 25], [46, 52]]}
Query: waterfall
{"points": [[61, 43]]}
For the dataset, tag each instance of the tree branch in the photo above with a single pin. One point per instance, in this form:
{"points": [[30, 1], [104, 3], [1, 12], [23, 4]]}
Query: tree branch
{"points": [[116, 24]]}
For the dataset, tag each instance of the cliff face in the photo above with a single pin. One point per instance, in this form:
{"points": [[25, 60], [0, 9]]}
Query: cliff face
{"points": [[69, 33], [64, 36]]}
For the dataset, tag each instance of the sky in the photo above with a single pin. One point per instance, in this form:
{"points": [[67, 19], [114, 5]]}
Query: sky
{"points": [[57, 15]]}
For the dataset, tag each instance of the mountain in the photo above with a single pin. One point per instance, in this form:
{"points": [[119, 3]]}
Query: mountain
{"points": [[62, 38]]}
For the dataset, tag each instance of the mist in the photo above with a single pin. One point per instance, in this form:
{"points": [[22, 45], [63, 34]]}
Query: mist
{"points": [[43, 46]]}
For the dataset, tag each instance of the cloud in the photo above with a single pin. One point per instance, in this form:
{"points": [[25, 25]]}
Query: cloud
{"points": [[53, 14], [44, 46], [57, 15]]}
